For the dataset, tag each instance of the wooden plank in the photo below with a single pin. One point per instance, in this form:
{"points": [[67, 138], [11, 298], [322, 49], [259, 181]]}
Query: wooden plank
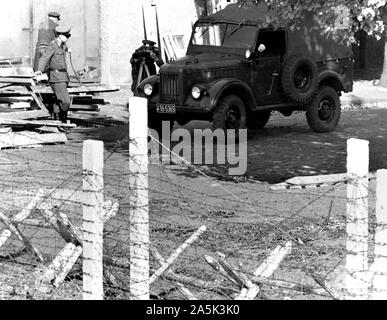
{"points": [[267, 268], [20, 236], [321, 179], [27, 211], [17, 80], [4, 236], [110, 213], [177, 253], [5, 130], [67, 266], [234, 273], [55, 271], [26, 138], [37, 99], [48, 129], [214, 263], [22, 215], [63, 226], [24, 115], [183, 290]]}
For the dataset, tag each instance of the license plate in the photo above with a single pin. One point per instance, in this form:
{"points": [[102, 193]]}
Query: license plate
{"points": [[166, 108]]}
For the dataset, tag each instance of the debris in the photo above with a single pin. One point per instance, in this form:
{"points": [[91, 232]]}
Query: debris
{"points": [[29, 138]]}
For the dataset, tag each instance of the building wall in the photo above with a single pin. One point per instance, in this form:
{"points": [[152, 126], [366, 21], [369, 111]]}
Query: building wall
{"points": [[20, 21], [105, 33], [15, 29]]}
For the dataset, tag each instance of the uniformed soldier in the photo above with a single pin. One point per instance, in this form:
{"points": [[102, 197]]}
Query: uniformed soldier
{"points": [[149, 54], [45, 36], [54, 61]]}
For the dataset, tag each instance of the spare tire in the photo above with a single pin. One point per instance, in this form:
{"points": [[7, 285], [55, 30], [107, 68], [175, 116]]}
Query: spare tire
{"points": [[300, 79]]}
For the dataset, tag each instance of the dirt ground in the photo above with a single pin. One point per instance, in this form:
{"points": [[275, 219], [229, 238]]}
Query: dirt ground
{"points": [[245, 220]]}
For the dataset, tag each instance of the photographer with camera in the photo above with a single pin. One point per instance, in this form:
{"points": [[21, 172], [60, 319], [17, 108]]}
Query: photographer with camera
{"points": [[144, 57]]}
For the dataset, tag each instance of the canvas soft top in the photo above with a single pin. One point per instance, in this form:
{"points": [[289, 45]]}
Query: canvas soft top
{"points": [[309, 39], [248, 14]]}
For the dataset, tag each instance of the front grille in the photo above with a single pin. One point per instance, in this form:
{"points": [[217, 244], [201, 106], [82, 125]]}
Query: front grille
{"points": [[169, 83]]}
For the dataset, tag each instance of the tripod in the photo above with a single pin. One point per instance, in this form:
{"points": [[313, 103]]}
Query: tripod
{"points": [[143, 66]]}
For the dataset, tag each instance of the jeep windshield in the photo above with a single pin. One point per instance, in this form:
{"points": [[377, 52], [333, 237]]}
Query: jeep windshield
{"points": [[224, 35]]}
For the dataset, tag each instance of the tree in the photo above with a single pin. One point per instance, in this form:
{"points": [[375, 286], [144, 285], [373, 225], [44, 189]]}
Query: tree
{"points": [[348, 16]]}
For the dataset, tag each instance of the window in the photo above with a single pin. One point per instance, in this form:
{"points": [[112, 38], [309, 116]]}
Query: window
{"points": [[274, 40]]}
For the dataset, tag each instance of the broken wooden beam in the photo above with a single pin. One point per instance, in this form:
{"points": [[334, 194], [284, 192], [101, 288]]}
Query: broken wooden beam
{"points": [[37, 123], [185, 292], [23, 214], [28, 138], [24, 115], [321, 179], [267, 268], [17, 80], [177, 253], [14, 229], [214, 263], [182, 289]]}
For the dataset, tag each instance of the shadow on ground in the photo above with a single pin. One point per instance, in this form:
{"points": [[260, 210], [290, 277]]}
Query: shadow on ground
{"points": [[285, 148]]}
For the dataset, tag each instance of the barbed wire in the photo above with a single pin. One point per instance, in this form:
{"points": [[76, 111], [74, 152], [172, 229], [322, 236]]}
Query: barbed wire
{"points": [[244, 220]]}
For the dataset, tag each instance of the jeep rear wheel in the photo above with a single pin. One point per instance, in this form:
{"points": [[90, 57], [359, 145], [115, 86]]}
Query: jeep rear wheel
{"points": [[230, 113], [324, 112], [300, 79], [257, 120]]}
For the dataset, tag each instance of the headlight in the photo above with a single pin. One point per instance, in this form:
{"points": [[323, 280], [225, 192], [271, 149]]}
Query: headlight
{"points": [[196, 92], [148, 89]]}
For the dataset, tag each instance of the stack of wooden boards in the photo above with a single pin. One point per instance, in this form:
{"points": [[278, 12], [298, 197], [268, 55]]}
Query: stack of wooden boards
{"points": [[24, 118]]}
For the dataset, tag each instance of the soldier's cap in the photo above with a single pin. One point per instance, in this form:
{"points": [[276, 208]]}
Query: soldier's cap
{"points": [[64, 30], [148, 42], [54, 14]]}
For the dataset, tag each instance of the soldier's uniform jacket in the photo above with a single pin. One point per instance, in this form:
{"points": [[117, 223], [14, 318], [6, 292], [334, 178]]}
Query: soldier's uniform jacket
{"points": [[54, 59]]}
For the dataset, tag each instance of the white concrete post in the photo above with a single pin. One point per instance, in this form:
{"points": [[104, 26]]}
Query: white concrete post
{"points": [[92, 220], [357, 219], [138, 184], [380, 264]]}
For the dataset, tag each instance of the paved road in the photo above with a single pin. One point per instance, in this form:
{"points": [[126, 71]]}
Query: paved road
{"points": [[288, 148]]}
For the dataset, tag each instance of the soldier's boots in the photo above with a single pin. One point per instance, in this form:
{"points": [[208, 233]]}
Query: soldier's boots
{"points": [[62, 116]]}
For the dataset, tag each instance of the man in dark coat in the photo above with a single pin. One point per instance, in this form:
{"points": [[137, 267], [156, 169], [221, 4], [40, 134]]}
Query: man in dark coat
{"points": [[45, 36], [148, 53], [54, 61]]}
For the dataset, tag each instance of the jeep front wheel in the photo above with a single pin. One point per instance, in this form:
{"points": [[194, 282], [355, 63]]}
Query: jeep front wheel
{"points": [[324, 112], [230, 113]]}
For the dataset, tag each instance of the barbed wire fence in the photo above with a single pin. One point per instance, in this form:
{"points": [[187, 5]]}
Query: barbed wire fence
{"points": [[77, 222]]}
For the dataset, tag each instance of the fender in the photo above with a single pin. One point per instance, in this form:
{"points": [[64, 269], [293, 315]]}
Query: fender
{"points": [[333, 74], [228, 86], [154, 80]]}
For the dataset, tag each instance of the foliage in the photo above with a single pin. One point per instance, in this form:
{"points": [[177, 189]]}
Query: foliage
{"points": [[333, 15]]}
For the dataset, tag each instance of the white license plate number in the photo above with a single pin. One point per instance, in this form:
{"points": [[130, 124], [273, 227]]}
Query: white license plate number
{"points": [[166, 108]]}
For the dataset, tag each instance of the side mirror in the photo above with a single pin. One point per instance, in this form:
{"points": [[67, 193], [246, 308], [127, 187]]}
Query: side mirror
{"points": [[261, 48]]}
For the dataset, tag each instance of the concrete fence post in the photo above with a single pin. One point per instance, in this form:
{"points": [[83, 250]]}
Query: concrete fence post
{"points": [[138, 184], [380, 264], [357, 219], [92, 220]]}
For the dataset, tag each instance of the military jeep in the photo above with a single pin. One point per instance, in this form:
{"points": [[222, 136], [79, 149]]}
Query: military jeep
{"points": [[236, 72]]}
